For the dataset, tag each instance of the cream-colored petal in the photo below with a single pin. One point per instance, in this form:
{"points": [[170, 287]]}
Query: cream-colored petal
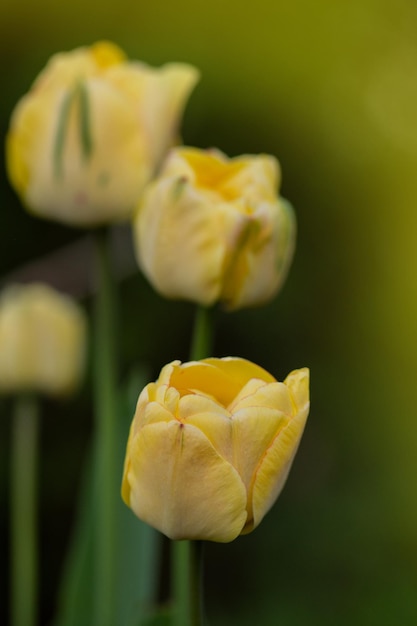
{"points": [[158, 97], [86, 190], [298, 384], [254, 429], [65, 68], [246, 393], [165, 374], [153, 413], [264, 261], [273, 470], [178, 483], [179, 239], [164, 105], [211, 418], [192, 404], [260, 179], [256, 393]]}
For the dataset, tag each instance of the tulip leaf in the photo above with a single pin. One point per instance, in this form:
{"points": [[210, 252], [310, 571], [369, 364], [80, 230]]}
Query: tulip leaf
{"points": [[162, 618], [138, 546]]}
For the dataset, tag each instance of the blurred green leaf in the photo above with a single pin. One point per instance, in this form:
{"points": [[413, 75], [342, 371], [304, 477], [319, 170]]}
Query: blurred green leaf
{"points": [[162, 618], [75, 597], [138, 546]]}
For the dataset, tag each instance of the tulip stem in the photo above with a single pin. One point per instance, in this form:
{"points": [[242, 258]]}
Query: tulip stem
{"points": [[106, 487], [187, 575], [202, 334], [23, 511], [187, 558]]}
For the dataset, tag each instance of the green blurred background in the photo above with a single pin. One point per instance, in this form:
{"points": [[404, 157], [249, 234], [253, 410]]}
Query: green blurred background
{"points": [[330, 88]]}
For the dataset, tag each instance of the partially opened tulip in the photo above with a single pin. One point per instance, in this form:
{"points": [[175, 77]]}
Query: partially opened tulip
{"points": [[92, 131], [42, 340], [214, 229], [211, 445]]}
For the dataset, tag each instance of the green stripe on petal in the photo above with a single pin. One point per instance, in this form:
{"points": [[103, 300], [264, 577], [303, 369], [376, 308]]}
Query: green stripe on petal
{"points": [[61, 132], [84, 121]]}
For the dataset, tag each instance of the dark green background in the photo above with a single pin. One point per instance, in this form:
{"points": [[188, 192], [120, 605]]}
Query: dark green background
{"points": [[330, 88]]}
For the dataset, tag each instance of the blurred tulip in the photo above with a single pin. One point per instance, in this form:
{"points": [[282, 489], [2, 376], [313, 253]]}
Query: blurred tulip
{"points": [[91, 132], [42, 340], [211, 445], [212, 228]]}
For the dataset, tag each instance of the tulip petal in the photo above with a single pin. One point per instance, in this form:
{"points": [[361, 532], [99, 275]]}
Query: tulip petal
{"points": [[272, 473], [164, 250], [256, 393], [176, 482], [210, 418], [207, 378], [254, 429], [222, 379], [240, 370]]}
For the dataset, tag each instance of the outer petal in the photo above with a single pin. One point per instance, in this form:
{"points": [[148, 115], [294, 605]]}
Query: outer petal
{"points": [[263, 261], [181, 486], [257, 393], [273, 470], [65, 68], [167, 92], [180, 240], [212, 419], [254, 429]]}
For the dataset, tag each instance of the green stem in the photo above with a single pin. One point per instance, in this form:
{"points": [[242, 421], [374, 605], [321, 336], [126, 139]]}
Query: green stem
{"points": [[23, 510], [105, 414], [187, 572], [187, 567], [202, 334]]}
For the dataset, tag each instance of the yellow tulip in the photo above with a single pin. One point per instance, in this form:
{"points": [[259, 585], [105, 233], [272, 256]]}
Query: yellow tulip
{"points": [[212, 228], [42, 340], [211, 445], [91, 132]]}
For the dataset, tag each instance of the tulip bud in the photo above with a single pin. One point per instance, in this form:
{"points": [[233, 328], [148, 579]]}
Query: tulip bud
{"points": [[42, 340], [211, 445], [212, 228], [91, 132]]}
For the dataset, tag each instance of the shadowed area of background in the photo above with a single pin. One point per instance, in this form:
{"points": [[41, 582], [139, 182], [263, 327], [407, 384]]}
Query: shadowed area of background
{"points": [[331, 90]]}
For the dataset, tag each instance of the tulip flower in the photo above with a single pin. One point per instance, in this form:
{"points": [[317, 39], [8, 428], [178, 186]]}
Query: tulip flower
{"points": [[42, 340], [212, 228], [92, 131], [211, 445]]}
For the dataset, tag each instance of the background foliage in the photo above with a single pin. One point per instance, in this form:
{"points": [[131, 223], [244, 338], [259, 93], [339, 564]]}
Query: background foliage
{"points": [[330, 88]]}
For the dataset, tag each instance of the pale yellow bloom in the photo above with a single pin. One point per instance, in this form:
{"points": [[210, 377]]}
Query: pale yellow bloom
{"points": [[42, 340], [91, 132], [211, 445], [212, 228]]}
